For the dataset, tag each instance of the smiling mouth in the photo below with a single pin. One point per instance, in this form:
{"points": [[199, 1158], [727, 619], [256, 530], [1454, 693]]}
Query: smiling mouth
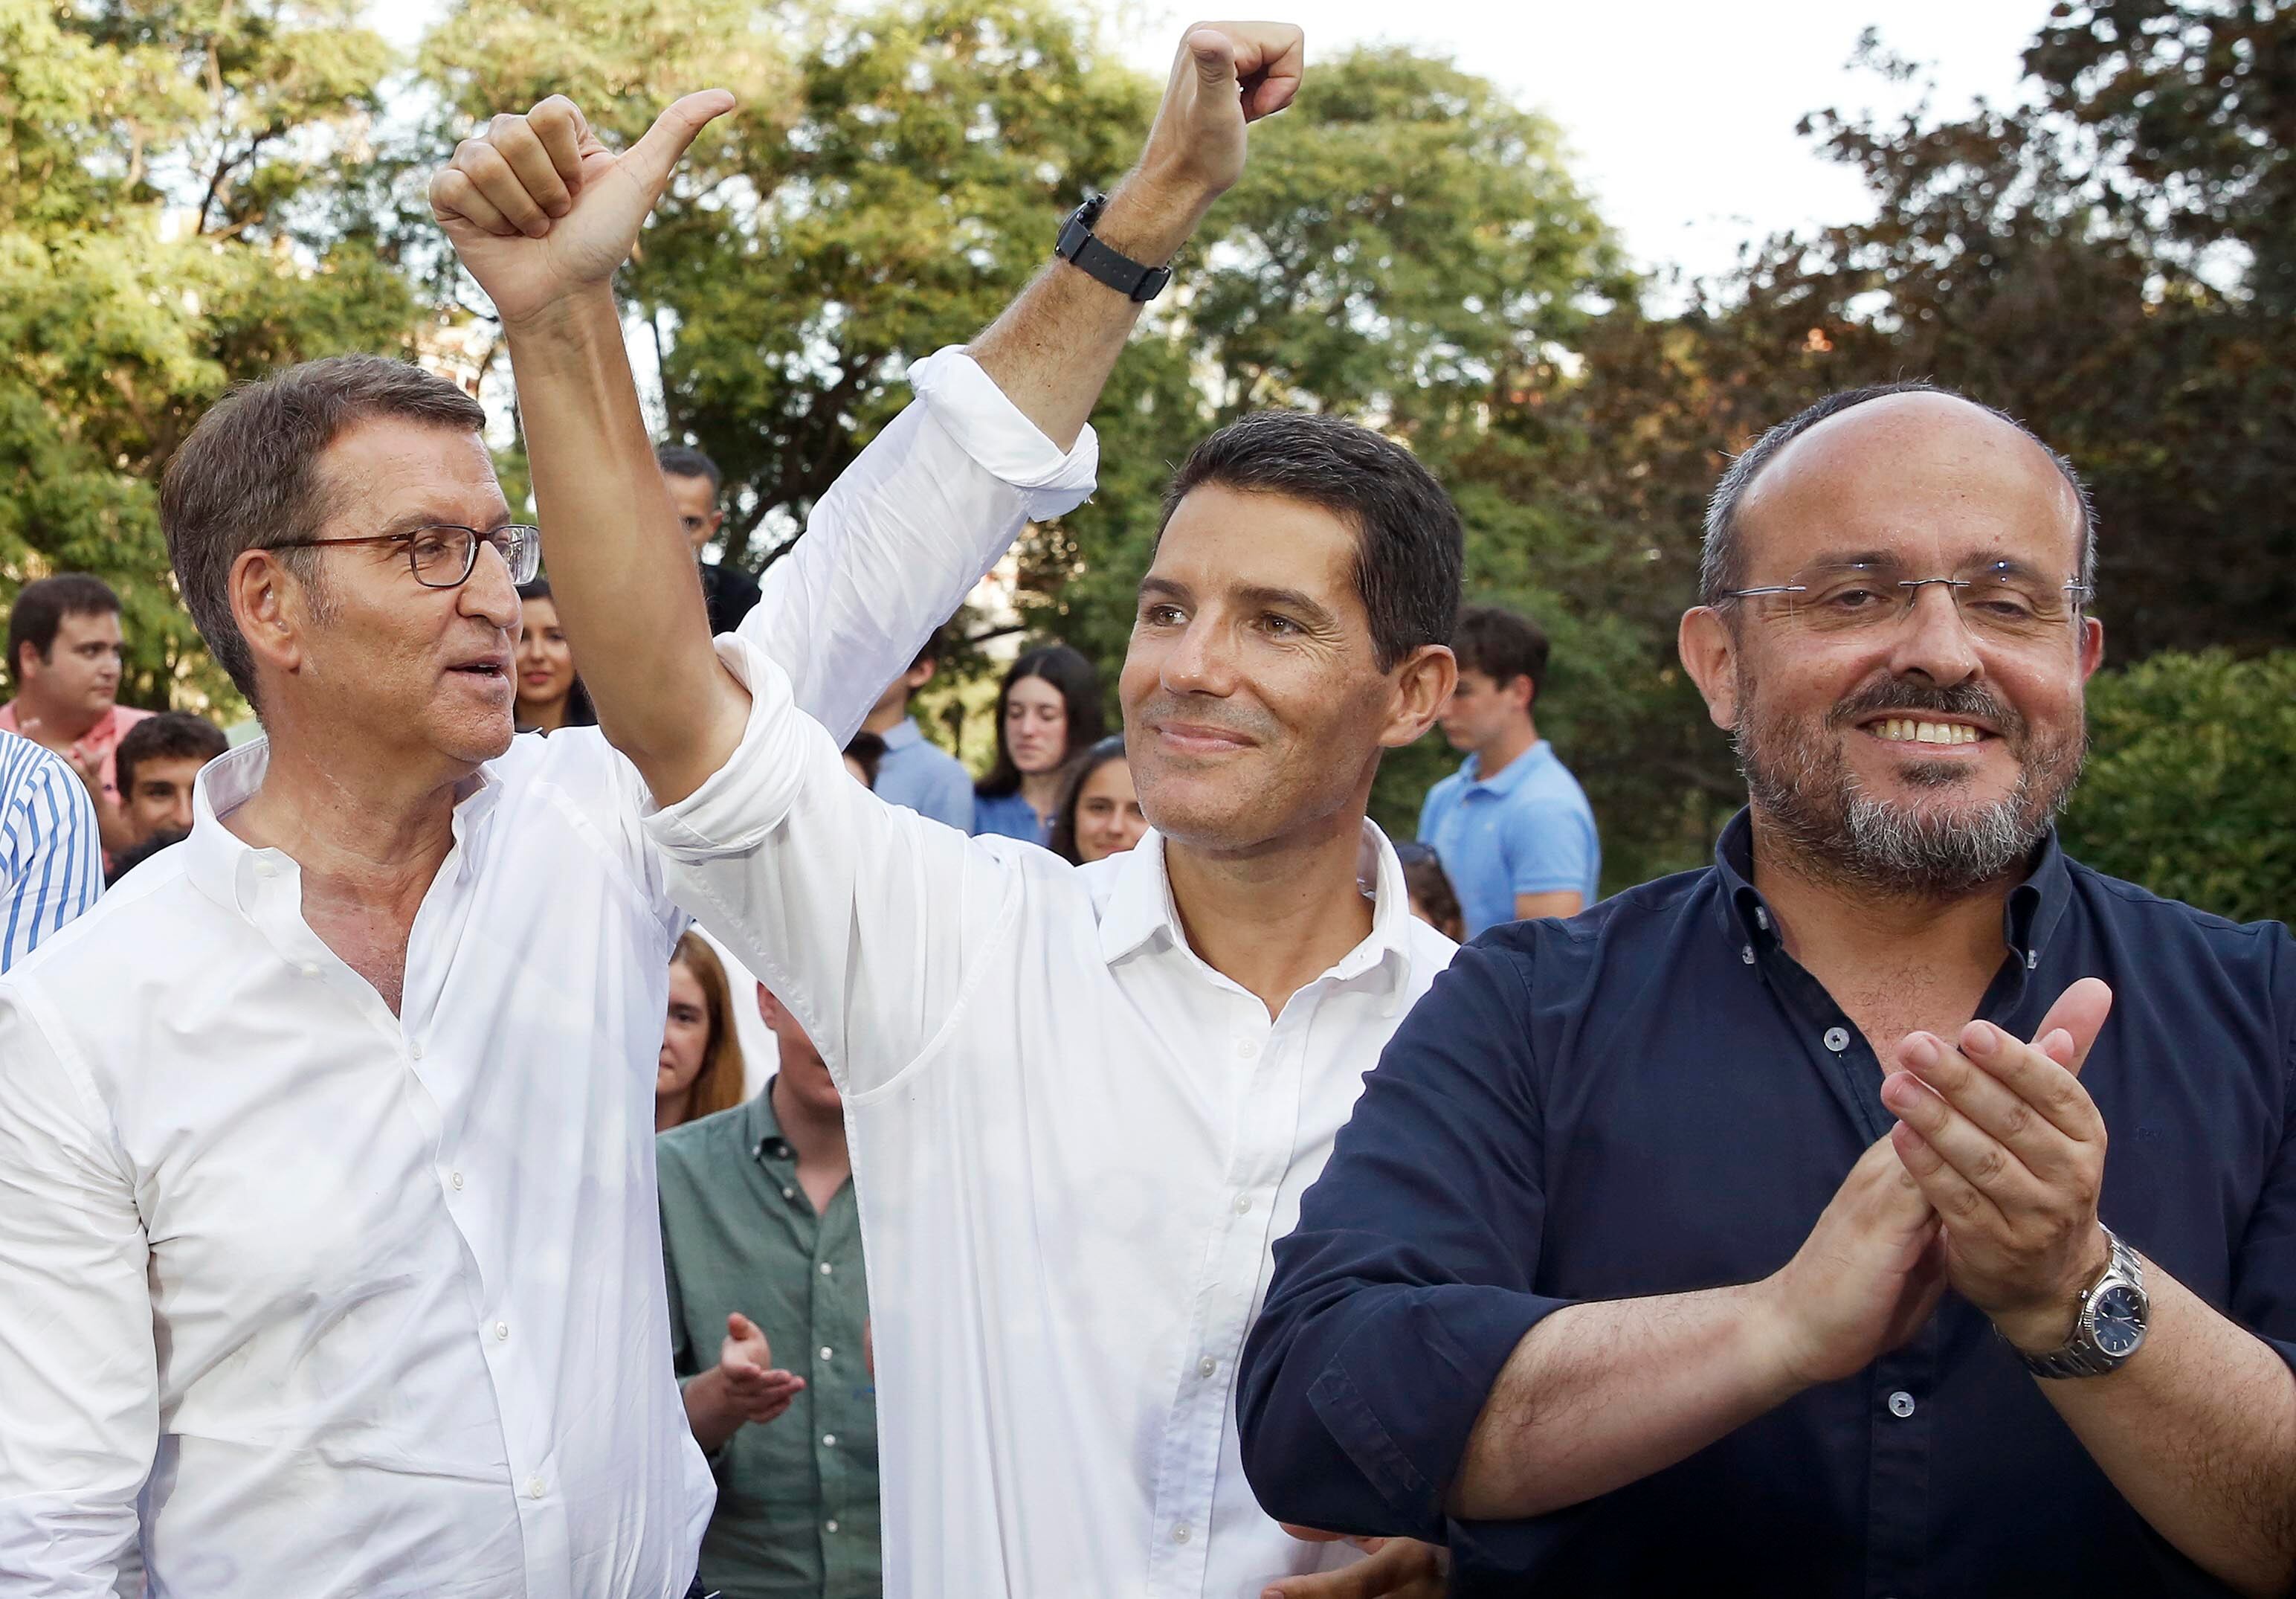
{"points": [[1906, 730]]}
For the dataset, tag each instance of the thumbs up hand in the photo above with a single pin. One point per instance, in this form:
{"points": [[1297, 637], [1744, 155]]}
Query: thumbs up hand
{"points": [[538, 208]]}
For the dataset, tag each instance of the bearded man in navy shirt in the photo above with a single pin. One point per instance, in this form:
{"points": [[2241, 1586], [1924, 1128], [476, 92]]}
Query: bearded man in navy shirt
{"points": [[1895, 1207]]}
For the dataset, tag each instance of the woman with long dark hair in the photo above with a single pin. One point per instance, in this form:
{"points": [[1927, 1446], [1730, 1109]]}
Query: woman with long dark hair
{"points": [[1048, 707], [1099, 810], [550, 692], [699, 1071]]}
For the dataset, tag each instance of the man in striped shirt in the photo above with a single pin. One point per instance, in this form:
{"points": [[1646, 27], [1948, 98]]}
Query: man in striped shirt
{"points": [[50, 866]]}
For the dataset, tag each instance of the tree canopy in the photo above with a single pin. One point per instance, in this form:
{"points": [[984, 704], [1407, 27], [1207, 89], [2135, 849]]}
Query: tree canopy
{"points": [[192, 191]]}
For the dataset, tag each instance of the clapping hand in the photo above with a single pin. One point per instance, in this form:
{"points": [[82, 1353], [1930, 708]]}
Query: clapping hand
{"points": [[538, 208], [753, 1386], [2009, 1149]]}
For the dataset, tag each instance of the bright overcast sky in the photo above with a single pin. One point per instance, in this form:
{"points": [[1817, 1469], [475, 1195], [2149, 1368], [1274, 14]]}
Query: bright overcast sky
{"points": [[1680, 113]]}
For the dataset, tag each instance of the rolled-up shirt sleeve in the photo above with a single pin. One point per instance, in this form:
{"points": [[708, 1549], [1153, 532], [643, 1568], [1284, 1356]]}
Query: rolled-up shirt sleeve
{"points": [[863, 918], [1409, 1280], [897, 544], [78, 1378]]}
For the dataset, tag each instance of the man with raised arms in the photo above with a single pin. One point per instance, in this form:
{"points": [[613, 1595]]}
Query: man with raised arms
{"points": [[1082, 1101]]}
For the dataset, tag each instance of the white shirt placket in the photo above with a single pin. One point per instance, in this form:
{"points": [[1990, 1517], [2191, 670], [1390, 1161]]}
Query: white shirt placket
{"points": [[1269, 1059]]}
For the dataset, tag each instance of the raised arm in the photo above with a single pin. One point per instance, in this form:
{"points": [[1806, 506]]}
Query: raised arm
{"points": [[998, 438]]}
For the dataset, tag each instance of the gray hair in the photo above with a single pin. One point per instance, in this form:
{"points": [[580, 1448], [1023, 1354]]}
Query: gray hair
{"points": [[247, 477], [1722, 560]]}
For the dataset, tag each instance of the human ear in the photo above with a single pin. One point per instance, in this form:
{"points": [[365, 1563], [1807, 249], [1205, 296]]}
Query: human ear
{"points": [[1709, 651], [1422, 683], [266, 606]]}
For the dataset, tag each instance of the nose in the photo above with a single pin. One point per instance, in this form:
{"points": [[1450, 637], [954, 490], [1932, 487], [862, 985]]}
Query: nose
{"points": [[489, 594], [179, 812], [1932, 641], [1200, 660]]}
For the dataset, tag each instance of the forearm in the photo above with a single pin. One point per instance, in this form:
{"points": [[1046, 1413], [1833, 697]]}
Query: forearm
{"points": [[1601, 1394], [621, 572], [1052, 350], [708, 1412], [2198, 1431]]}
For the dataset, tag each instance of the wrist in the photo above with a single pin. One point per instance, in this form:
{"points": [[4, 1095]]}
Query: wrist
{"points": [[573, 318], [1149, 218], [2049, 1323], [1774, 1347]]}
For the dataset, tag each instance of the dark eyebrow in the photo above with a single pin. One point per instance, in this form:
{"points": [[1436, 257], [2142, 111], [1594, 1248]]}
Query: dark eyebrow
{"points": [[1163, 588], [1288, 599]]}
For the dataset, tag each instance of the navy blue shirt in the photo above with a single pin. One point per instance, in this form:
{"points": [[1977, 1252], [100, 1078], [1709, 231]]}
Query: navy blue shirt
{"points": [[1654, 1098]]}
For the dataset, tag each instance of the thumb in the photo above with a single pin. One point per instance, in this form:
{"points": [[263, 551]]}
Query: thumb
{"points": [[653, 159], [743, 1330], [2078, 1017], [1215, 56]]}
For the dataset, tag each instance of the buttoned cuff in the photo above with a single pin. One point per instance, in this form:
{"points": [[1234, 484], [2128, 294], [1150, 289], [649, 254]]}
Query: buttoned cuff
{"points": [[1405, 1421], [991, 429]]}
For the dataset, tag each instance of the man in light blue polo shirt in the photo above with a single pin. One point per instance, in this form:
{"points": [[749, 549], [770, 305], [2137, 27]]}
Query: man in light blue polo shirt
{"points": [[913, 770], [1511, 826]]}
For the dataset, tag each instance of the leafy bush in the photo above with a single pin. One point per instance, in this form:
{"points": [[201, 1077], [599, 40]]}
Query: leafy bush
{"points": [[2191, 787]]}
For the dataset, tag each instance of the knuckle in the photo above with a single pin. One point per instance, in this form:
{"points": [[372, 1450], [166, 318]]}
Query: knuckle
{"points": [[1960, 1203], [1990, 1165]]}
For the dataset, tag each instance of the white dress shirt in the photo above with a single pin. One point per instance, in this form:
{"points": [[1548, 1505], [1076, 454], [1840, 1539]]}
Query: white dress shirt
{"points": [[1073, 1142], [337, 1302]]}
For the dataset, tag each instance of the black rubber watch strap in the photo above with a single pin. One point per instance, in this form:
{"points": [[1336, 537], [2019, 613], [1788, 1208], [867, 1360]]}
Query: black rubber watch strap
{"points": [[1080, 248]]}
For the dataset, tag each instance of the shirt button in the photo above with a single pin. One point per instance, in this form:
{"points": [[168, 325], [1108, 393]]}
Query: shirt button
{"points": [[1242, 1203], [789, 1193], [825, 1269], [1247, 1049], [308, 968], [1901, 1403], [829, 1525], [829, 1441], [265, 869], [502, 1330], [456, 1178], [1837, 1038], [1746, 955], [824, 1351], [414, 1052], [1179, 1534], [1207, 1366], [533, 1488]]}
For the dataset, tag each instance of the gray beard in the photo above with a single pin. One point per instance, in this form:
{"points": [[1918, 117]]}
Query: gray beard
{"points": [[1815, 810]]}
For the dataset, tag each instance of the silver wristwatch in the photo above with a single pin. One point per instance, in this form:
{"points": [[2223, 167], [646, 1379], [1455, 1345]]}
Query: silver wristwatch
{"points": [[2110, 1324]]}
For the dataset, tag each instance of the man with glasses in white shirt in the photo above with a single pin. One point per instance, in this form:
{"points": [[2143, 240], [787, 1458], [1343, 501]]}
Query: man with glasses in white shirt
{"points": [[329, 1259], [1082, 1101]]}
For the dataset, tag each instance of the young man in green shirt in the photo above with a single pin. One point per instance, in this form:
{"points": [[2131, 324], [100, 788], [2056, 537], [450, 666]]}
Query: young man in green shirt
{"points": [[761, 1245]]}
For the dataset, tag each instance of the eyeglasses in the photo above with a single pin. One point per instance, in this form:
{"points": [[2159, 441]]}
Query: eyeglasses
{"points": [[1998, 599], [445, 557]]}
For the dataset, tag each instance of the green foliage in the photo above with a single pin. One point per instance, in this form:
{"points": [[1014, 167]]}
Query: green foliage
{"points": [[166, 225], [2191, 765]]}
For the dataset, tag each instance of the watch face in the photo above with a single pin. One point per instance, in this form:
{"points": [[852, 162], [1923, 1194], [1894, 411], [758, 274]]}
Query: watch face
{"points": [[2117, 1320]]}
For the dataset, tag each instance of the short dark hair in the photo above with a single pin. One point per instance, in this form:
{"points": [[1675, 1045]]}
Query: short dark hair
{"points": [[867, 751], [1501, 646], [1410, 548], [171, 735], [1061, 840], [40, 609], [1078, 684], [683, 461], [1722, 559], [248, 477]]}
